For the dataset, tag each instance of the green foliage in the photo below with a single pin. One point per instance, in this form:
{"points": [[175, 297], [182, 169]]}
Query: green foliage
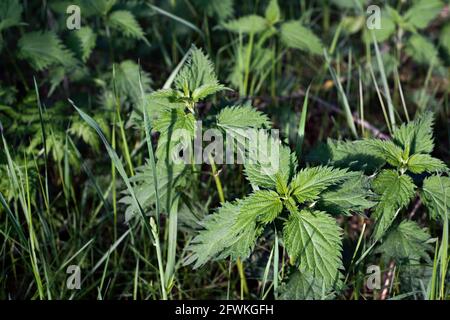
{"points": [[422, 50], [354, 155], [314, 238], [302, 286], [247, 24], [406, 241], [242, 117], [272, 13], [274, 163], [436, 195], [197, 79], [43, 49], [290, 212], [223, 236], [396, 191], [423, 12], [125, 22], [444, 38], [222, 9], [86, 40], [309, 183], [294, 35], [417, 136], [125, 78], [264, 205], [352, 196], [10, 14]]}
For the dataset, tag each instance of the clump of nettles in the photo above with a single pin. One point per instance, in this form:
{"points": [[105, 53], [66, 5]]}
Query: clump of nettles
{"points": [[173, 110], [353, 177], [372, 176], [402, 169]]}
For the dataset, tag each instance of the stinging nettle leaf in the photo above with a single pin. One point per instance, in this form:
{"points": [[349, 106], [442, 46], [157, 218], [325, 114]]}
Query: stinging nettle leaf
{"points": [[351, 196], [273, 11], [310, 182], [270, 163], [197, 78], [416, 135], [247, 24], [10, 13], [406, 241], [314, 240], [223, 236], [125, 22], [42, 49], [294, 35], [419, 163], [396, 192], [264, 205], [302, 286], [435, 194], [423, 12], [86, 39], [242, 117], [353, 155], [422, 50]]}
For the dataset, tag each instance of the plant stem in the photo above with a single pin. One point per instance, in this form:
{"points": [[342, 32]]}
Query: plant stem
{"points": [[240, 266]]}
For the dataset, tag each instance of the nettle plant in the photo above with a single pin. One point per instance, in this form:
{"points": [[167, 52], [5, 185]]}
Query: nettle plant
{"points": [[176, 120], [401, 169], [303, 202], [404, 26], [256, 56], [301, 199]]}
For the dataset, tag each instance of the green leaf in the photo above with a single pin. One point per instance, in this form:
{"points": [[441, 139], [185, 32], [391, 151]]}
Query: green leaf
{"points": [[385, 32], [125, 22], [422, 50], [86, 39], [419, 163], [242, 117], [247, 24], [435, 194], [82, 130], [294, 35], [406, 241], [423, 12], [273, 12], [302, 286], [348, 4], [10, 13], [387, 149], [144, 189], [353, 155], [222, 9], [314, 240], [127, 80], [444, 38], [100, 7], [265, 205], [197, 79], [396, 192], [269, 163], [351, 196], [416, 135], [310, 182], [223, 237], [177, 129], [42, 49]]}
